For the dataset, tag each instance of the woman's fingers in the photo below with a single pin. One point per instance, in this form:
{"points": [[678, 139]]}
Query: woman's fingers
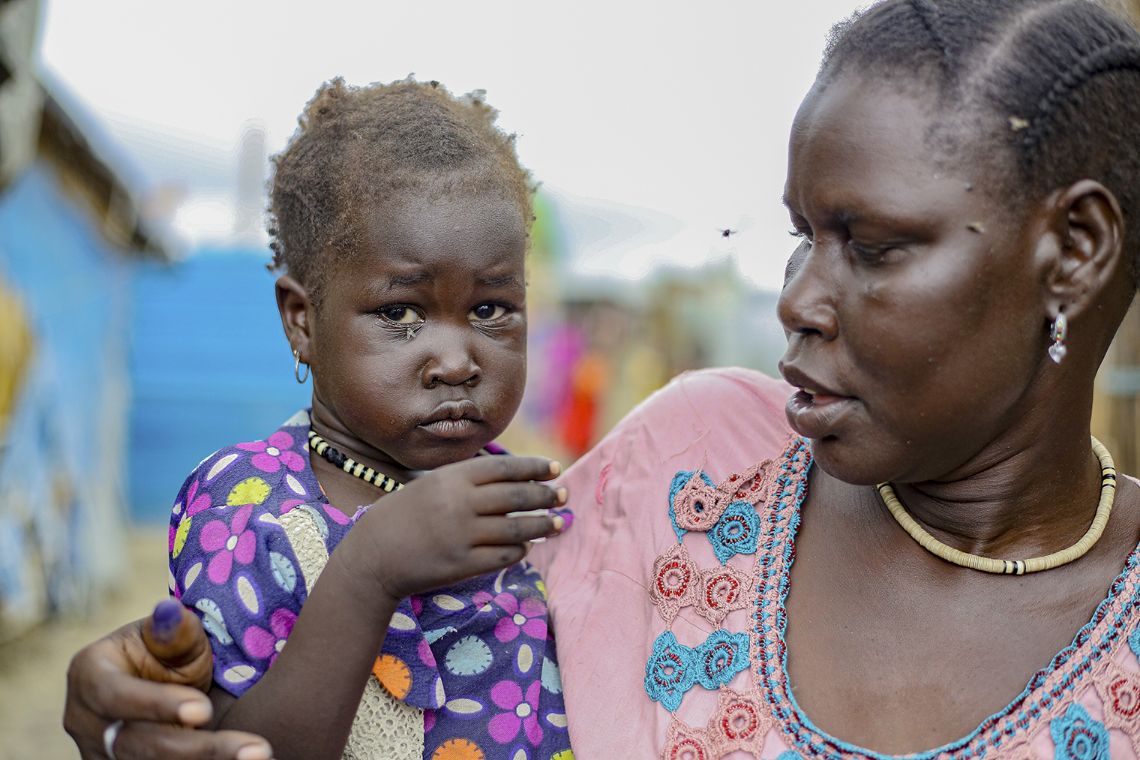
{"points": [[113, 694], [175, 641], [495, 469], [143, 741]]}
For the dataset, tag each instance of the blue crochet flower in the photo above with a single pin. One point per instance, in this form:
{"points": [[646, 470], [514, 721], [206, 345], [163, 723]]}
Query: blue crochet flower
{"points": [[721, 657], [789, 755], [1078, 736], [669, 672], [679, 480], [1134, 641], [736, 532]]}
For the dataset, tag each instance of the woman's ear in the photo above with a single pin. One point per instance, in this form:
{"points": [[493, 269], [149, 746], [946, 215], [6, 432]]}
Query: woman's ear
{"points": [[1086, 249], [296, 310]]}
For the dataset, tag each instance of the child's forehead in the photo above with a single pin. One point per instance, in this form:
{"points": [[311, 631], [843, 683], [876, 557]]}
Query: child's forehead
{"points": [[422, 218], [423, 237]]}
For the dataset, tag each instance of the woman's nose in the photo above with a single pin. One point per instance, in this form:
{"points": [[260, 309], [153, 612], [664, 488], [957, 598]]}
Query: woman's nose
{"points": [[807, 301], [452, 361]]}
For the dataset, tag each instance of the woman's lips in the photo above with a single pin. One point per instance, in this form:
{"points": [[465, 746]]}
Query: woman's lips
{"points": [[816, 415]]}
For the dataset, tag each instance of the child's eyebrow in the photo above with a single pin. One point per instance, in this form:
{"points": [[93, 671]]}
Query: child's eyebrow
{"points": [[501, 281], [406, 280]]}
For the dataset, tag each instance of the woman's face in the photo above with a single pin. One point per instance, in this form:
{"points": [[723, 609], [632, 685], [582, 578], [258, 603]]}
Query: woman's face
{"points": [[913, 306]]}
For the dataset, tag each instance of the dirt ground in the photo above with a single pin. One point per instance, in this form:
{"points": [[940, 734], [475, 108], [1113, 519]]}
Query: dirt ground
{"points": [[33, 668]]}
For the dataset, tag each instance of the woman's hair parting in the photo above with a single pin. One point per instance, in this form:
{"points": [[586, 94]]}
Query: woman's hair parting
{"points": [[357, 147], [1048, 91]]}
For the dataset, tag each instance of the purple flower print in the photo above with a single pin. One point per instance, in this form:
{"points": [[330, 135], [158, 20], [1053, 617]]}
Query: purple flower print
{"points": [[529, 617], [196, 501], [230, 542], [262, 643], [273, 453], [522, 712]]}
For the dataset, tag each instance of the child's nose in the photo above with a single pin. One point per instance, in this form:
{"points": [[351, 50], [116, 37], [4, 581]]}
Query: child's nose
{"points": [[453, 363]]}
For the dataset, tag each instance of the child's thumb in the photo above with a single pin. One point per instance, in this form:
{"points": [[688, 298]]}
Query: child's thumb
{"points": [[174, 635]]}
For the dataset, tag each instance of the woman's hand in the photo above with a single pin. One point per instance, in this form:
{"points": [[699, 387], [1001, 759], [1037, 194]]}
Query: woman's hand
{"points": [[456, 522], [150, 674]]}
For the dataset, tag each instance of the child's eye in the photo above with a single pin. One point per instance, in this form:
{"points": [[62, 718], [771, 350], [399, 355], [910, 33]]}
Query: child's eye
{"points": [[485, 312], [401, 315]]}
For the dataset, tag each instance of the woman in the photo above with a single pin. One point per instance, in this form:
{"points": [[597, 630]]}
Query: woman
{"points": [[963, 179]]}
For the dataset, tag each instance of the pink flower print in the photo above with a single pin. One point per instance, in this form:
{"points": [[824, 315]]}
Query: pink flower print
{"points": [[195, 501], [261, 643], [273, 453], [528, 617], [230, 542], [522, 712]]}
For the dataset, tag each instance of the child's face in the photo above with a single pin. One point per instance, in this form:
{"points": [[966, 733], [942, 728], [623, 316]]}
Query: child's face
{"points": [[914, 306], [419, 344]]}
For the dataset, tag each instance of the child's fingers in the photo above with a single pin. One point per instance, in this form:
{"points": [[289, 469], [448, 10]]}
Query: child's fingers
{"points": [[503, 531], [497, 469], [486, 559], [503, 498]]}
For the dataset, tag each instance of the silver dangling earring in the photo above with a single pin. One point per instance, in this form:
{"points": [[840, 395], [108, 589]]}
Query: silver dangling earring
{"points": [[297, 367], [1059, 334]]}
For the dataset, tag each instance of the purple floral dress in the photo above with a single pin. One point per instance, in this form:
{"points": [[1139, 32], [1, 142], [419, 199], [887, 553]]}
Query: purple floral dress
{"points": [[478, 657]]}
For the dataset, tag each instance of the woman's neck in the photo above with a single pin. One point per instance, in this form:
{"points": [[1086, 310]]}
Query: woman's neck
{"points": [[1013, 501]]}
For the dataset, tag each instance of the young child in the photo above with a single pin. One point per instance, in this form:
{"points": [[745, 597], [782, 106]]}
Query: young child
{"points": [[399, 215]]}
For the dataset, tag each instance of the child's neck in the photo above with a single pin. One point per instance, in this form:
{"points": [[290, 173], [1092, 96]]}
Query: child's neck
{"points": [[344, 491]]}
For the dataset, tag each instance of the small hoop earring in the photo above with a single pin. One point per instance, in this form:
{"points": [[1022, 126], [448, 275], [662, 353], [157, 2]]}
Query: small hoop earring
{"points": [[297, 367], [1058, 334]]}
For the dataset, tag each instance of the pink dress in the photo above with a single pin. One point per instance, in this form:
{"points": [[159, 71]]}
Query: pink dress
{"points": [[667, 599]]}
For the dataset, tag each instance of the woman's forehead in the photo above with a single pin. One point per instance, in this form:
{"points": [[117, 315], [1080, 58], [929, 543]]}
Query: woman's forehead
{"points": [[862, 141]]}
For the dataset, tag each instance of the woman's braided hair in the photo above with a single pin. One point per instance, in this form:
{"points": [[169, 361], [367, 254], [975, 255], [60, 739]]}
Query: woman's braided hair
{"points": [[1045, 92], [357, 147]]}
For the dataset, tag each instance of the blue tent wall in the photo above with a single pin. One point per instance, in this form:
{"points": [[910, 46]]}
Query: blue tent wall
{"points": [[210, 367], [61, 475]]}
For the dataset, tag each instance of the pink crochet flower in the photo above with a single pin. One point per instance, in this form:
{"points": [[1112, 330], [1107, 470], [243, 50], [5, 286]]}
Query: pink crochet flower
{"points": [[230, 542], [262, 643], [522, 712], [273, 453], [528, 617]]}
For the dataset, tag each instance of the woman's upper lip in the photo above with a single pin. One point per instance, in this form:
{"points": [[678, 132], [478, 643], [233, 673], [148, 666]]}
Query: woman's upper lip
{"points": [[454, 410], [804, 381]]}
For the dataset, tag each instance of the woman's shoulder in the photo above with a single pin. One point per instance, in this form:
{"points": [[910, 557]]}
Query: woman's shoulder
{"points": [[724, 403]]}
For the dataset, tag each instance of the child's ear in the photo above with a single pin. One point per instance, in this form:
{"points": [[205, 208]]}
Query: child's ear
{"points": [[1085, 247], [296, 310]]}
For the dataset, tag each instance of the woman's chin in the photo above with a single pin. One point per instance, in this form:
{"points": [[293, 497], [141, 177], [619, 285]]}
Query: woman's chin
{"points": [[845, 461]]}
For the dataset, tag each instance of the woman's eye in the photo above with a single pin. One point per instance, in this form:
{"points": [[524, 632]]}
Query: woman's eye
{"points": [[401, 315], [800, 235], [486, 312], [870, 253]]}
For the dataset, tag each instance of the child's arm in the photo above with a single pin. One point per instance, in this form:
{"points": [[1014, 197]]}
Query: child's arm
{"points": [[445, 526]]}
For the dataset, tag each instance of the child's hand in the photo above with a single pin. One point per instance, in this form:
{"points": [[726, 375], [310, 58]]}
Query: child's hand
{"points": [[452, 523]]}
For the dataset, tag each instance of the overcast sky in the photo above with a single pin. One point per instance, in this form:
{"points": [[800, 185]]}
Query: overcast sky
{"points": [[654, 123]]}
